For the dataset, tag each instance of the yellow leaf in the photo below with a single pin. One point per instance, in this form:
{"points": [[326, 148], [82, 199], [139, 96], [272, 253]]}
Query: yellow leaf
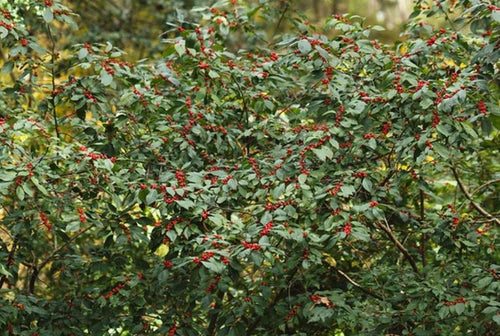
{"points": [[162, 251]]}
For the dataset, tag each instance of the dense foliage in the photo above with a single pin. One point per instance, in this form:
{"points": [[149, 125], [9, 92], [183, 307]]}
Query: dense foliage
{"points": [[321, 183]]}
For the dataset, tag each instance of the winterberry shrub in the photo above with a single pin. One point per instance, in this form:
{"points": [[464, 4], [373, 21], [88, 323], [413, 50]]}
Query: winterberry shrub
{"points": [[321, 183]]}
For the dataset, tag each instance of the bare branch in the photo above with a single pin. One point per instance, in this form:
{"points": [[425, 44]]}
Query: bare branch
{"points": [[484, 186], [400, 246], [476, 206], [358, 286]]}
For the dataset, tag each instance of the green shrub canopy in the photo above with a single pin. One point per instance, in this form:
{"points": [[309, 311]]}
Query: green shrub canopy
{"points": [[321, 183]]}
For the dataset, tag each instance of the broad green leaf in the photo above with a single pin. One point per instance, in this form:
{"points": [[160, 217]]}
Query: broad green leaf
{"points": [[47, 14], [304, 46]]}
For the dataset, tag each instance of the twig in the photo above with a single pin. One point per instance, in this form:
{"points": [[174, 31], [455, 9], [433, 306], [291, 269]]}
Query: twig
{"points": [[469, 197], [287, 5], [484, 186], [400, 246], [213, 320], [423, 241], [277, 297], [36, 270], [358, 286], [53, 74]]}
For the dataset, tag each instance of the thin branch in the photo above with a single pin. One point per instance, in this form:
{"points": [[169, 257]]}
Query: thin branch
{"points": [[287, 5], [476, 206], [53, 74], [212, 330], [358, 286], [423, 241], [277, 297], [36, 270], [400, 246], [484, 186]]}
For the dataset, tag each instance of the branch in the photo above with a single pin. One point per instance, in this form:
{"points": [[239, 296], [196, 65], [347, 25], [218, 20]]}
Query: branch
{"points": [[53, 74], [358, 286], [36, 270], [287, 5], [400, 246], [213, 320], [423, 241], [484, 186], [277, 297], [469, 197]]}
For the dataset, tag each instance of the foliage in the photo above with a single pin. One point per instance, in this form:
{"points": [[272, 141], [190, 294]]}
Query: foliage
{"points": [[306, 186]]}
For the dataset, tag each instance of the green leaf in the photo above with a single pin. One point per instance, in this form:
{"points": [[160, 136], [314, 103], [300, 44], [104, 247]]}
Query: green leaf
{"points": [[441, 150], [367, 184], [73, 226], [82, 53], [7, 67], [495, 15], [214, 266], [186, 204], [484, 282], [40, 187], [8, 175], [443, 312], [3, 32], [180, 47], [323, 153], [304, 46], [459, 308], [47, 14], [4, 271], [346, 191], [105, 78], [20, 193]]}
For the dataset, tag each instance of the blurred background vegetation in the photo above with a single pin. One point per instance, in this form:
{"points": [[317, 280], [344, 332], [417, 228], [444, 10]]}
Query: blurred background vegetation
{"points": [[138, 25]]}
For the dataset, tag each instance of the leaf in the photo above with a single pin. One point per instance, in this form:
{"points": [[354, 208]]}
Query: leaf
{"points": [[20, 193], [73, 226], [186, 204], [7, 67], [151, 196], [441, 150], [47, 14], [3, 32], [367, 184], [304, 46], [214, 266], [180, 47], [443, 312], [105, 78], [302, 178], [82, 53], [40, 187], [459, 308], [4, 271], [323, 153], [443, 129], [346, 191], [484, 282], [163, 249], [495, 15], [8, 175]]}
